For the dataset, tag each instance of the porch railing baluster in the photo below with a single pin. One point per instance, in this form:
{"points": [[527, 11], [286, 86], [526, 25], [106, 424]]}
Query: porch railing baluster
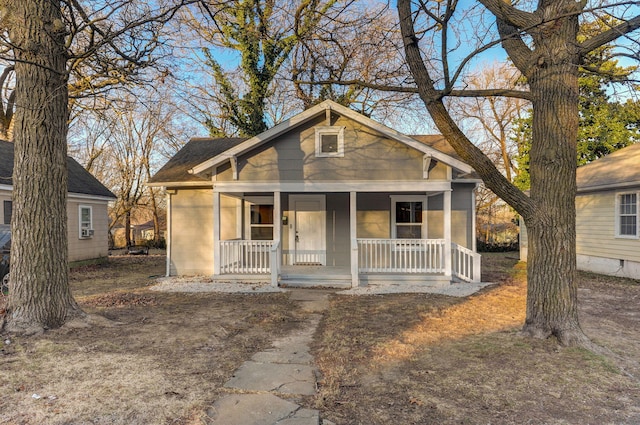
{"points": [[401, 255]]}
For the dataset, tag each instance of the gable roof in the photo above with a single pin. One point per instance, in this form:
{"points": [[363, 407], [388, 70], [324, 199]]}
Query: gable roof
{"points": [[619, 169], [176, 170], [80, 180], [313, 112]]}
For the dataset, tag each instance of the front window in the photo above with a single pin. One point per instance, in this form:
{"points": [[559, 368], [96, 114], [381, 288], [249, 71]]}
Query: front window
{"points": [[627, 217], [406, 215], [262, 222], [259, 218], [86, 221]]}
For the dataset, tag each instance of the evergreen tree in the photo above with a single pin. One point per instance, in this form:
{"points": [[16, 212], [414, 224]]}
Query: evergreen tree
{"points": [[605, 125]]}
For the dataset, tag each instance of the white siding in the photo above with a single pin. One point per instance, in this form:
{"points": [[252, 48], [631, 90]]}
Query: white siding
{"points": [[595, 229]]}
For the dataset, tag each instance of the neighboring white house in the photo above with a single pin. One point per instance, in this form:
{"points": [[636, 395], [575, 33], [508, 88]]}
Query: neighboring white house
{"points": [[87, 199], [328, 196], [607, 212]]}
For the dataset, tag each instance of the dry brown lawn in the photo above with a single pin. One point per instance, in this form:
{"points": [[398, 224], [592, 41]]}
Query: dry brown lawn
{"points": [[431, 359], [163, 358]]}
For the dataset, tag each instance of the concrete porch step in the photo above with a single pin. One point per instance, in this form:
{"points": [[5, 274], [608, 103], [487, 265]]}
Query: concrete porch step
{"points": [[316, 282]]}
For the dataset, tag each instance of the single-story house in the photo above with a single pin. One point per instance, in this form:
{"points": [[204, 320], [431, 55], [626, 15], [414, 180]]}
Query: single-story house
{"points": [[87, 201], [607, 211], [328, 196]]}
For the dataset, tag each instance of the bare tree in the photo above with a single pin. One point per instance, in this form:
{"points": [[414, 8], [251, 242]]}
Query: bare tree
{"points": [[47, 38], [542, 43], [361, 44], [491, 119]]}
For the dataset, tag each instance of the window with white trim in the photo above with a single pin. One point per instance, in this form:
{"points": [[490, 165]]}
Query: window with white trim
{"points": [[407, 217], [627, 215], [259, 212], [329, 141], [85, 220]]}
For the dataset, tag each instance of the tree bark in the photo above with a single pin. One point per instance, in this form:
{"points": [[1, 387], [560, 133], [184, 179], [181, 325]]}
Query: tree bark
{"points": [[552, 302], [40, 297]]}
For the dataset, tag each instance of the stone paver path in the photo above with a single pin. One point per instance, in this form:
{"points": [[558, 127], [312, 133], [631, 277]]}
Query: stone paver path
{"points": [[263, 390]]}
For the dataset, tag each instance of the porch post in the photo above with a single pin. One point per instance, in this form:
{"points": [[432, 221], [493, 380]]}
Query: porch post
{"points": [[474, 219], [216, 233], [355, 280], [168, 235], [277, 231], [447, 234]]}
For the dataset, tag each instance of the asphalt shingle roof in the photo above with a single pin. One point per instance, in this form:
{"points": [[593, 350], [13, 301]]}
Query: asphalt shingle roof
{"points": [[80, 180], [620, 168], [196, 151]]}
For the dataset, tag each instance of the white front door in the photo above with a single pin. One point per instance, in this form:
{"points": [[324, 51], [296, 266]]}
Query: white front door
{"points": [[308, 237]]}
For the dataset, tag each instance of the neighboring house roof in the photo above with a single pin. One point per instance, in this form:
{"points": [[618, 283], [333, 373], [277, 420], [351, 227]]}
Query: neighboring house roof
{"points": [[202, 154], [80, 180], [192, 154], [617, 170]]}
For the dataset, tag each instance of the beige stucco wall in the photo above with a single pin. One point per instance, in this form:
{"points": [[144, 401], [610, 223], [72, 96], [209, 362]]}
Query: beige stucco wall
{"points": [[368, 155], [191, 235]]}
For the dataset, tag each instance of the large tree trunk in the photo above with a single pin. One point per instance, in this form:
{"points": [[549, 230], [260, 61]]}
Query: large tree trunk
{"points": [[40, 297], [552, 303]]}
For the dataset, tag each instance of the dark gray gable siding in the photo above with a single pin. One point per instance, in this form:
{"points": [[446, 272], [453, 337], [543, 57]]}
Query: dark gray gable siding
{"points": [[80, 180]]}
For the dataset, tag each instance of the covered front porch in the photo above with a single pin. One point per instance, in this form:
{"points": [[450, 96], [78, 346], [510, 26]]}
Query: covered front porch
{"points": [[344, 239]]}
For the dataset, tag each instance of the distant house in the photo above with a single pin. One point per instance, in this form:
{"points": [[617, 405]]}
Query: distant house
{"points": [[86, 207], [328, 197], [607, 212]]}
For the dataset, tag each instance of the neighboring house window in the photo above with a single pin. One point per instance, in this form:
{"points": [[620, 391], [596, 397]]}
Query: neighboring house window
{"points": [[85, 215], [8, 210], [627, 215], [329, 141], [260, 218], [406, 217]]}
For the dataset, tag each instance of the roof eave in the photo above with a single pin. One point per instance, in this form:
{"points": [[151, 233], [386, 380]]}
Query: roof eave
{"points": [[180, 184], [611, 186]]}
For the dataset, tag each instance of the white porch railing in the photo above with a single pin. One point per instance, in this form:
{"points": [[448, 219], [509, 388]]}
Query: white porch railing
{"points": [[401, 255], [245, 257], [465, 263]]}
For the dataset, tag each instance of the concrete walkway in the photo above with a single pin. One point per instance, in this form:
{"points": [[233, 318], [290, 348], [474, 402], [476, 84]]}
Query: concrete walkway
{"points": [[263, 391]]}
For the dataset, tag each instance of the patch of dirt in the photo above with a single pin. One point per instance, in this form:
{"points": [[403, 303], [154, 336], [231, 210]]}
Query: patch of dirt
{"points": [[427, 359], [120, 300]]}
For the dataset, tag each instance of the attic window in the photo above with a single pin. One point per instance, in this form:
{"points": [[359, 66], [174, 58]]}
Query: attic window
{"points": [[329, 141]]}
